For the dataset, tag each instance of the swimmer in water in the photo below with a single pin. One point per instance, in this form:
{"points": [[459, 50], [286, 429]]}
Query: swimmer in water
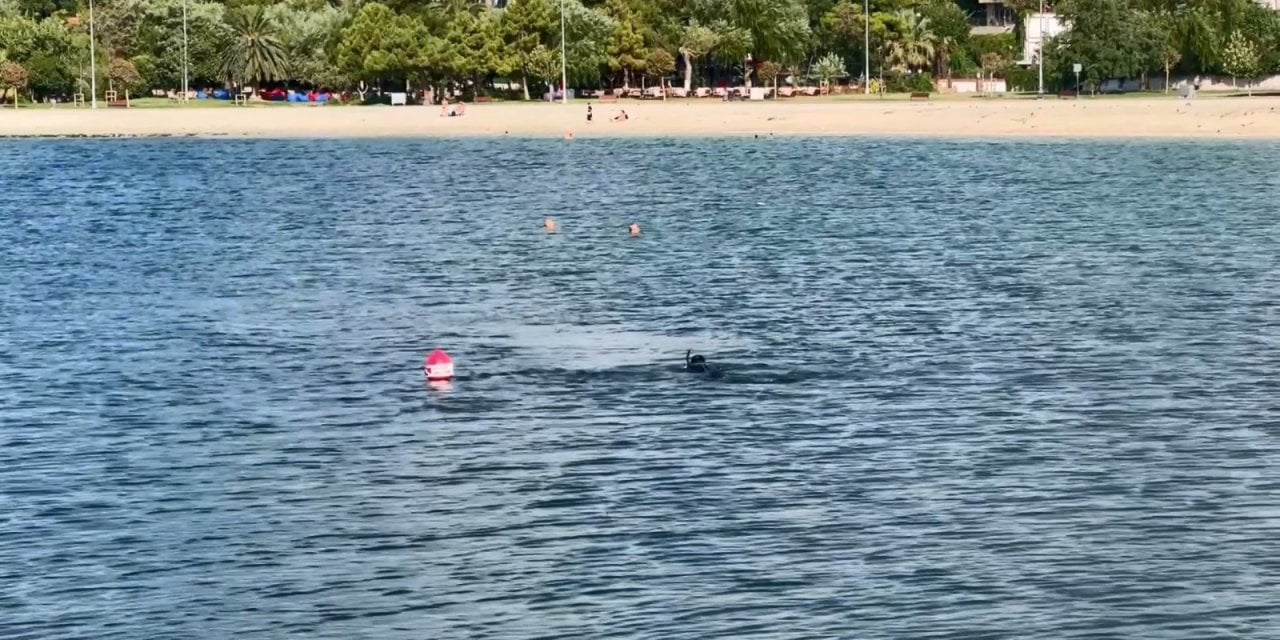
{"points": [[696, 364]]}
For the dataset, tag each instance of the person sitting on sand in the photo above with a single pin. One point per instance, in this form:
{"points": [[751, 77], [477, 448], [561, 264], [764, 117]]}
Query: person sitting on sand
{"points": [[621, 115]]}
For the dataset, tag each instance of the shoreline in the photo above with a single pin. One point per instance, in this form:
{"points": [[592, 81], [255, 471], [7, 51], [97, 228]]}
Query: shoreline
{"points": [[976, 119]]}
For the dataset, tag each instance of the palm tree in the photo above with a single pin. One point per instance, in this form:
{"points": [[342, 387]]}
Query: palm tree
{"points": [[942, 55], [913, 45], [255, 53]]}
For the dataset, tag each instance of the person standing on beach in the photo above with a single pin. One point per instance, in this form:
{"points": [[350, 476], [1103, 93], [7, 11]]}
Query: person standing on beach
{"points": [[588, 113]]}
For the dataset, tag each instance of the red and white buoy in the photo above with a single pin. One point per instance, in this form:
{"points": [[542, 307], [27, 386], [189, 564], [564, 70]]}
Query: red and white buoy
{"points": [[438, 367]]}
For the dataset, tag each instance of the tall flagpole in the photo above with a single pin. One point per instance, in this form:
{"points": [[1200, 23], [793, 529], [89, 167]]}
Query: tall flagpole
{"points": [[93, 63], [185, 87], [564, 65]]}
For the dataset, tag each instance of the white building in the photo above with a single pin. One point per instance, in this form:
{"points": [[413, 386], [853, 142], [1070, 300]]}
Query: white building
{"points": [[994, 17], [1039, 27]]}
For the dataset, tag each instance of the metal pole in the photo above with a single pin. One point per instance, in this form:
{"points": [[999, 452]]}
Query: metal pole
{"points": [[564, 65], [866, 47], [185, 87], [93, 63], [1041, 56]]}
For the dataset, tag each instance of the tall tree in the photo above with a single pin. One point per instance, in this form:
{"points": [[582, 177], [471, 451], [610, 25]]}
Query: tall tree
{"points": [[696, 42], [587, 44], [38, 9], [527, 30], [382, 45], [44, 50], [160, 42], [117, 24], [472, 48], [544, 64], [841, 31], [1110, 39], [626, 45], [1197, 35], [950, 27], [777, 29], [1261, 25], [309, 36]]}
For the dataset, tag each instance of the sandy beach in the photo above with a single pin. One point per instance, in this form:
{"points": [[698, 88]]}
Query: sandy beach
{"points": [[1214, 118]]}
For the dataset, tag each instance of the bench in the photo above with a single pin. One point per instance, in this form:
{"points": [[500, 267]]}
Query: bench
{"points": [[608, 97], [483, 99], [123, 104], [1066, 93], [919, 95]]}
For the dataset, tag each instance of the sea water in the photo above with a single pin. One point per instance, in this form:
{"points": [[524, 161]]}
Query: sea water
{"points": [[973, 389]]}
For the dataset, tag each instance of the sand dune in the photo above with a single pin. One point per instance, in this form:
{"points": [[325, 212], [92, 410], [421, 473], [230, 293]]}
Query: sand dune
{"points": [[1224, 118]]}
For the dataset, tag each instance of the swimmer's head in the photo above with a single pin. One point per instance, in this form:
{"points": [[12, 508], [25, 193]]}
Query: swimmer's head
{"points": [[634, 229], [697, 364], [550, 225]]}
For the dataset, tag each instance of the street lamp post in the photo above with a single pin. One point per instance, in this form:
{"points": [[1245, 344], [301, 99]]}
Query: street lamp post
{"points": [[564, 65], [185, 87], [866, 47], [1041, 47], [93, 63]]}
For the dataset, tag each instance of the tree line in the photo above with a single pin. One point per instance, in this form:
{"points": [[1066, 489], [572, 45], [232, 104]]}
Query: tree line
{"points": [[348, 44], [1138, 39]]}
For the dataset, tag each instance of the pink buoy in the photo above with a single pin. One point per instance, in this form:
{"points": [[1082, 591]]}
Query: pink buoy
{"points": [[439, 366]]}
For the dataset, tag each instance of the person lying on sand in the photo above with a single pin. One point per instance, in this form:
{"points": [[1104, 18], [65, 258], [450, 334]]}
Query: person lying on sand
{"points": [[621, 115], [459, 109]]}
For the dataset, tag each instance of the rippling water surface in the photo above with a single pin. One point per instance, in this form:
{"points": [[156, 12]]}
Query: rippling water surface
{"points": [[1015, 390]]}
